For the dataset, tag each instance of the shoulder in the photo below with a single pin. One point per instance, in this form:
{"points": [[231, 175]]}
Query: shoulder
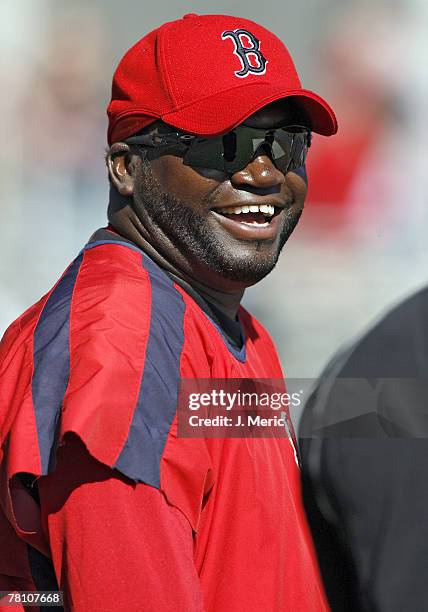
{"points": [[375, 386], [120, 284], [395, 346], [111, 291]]}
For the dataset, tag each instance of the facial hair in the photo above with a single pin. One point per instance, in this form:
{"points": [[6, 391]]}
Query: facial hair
{"points": [[191, 234]]}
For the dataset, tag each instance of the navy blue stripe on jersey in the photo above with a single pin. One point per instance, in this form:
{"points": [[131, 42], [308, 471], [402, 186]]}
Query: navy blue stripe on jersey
{"points": [[158, 396], [125, 243], [239, 353], [52, 362]]}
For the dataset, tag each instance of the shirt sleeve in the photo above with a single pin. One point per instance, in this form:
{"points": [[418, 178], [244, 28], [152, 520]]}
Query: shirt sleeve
{"points": [[116, 545]]}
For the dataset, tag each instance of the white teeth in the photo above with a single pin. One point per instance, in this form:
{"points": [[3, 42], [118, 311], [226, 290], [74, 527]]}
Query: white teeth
{"points": [[266, 209]]}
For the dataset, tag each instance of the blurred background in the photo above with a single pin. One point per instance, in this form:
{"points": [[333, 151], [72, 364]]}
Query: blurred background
{"points": [[361, 244]]}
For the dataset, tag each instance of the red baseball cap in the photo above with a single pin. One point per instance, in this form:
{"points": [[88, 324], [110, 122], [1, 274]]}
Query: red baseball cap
{"points": [[206, 74]]}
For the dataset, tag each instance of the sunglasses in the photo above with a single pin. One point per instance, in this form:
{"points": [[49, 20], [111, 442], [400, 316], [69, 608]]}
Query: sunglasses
{"points": [[287, 147]]}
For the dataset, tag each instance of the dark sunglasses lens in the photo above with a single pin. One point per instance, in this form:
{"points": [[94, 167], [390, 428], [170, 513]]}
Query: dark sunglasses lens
{"points": [[233, 151], [206, 153], [295, 145], [287, 147]]}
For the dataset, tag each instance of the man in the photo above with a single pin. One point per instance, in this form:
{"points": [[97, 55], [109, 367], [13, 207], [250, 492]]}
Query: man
{"points": [[365, 455], [208, 131]]}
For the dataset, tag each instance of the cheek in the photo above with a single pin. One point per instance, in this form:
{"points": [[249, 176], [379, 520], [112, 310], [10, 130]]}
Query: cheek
{"points": [[298, 187], [182, 181]]}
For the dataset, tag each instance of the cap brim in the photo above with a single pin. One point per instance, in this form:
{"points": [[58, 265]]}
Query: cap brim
{"points": [[217, 114]]}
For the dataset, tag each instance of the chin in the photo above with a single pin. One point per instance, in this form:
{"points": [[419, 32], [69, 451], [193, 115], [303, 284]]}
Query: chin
{"points": [[246, 270]]}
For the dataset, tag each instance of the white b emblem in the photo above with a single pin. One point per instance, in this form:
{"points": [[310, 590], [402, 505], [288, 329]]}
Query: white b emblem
{"points": [[247, 48]]}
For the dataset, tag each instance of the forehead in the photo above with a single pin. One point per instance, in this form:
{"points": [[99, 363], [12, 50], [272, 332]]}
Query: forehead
{"points": [[277, 114]]}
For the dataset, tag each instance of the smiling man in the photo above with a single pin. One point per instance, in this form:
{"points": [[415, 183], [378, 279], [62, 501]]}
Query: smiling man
{"points": [[209, 129]]}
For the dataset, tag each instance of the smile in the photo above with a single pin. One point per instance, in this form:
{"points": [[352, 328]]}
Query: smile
{"points": [[250, 222], [254, 214]]}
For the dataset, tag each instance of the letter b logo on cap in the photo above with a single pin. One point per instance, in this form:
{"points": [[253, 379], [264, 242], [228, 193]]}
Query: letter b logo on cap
{"points": [[247, 48]]}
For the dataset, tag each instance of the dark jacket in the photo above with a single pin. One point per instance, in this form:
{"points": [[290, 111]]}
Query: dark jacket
{"points": [[364, 447]]}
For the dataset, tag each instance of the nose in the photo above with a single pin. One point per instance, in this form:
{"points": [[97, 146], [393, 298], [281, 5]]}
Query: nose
{"points": [[260, 174]]}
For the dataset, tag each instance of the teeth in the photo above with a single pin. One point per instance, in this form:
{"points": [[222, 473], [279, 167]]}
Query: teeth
{"points": [[267, 209]]}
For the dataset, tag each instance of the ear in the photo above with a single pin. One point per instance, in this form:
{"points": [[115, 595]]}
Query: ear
{"points": [[120, 168]]}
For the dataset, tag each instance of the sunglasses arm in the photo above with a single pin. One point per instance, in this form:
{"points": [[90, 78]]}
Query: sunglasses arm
{"points": [[161, 140]]}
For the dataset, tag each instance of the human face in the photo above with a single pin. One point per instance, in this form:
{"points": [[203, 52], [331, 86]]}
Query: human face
{"points": [[188, 211]]}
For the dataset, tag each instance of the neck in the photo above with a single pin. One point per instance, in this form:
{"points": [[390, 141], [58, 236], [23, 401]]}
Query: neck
{"points": [[226, 302], [225, 299]]}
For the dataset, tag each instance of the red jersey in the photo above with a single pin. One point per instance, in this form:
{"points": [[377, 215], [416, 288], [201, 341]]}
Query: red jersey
{"points": [[98, 361]]}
